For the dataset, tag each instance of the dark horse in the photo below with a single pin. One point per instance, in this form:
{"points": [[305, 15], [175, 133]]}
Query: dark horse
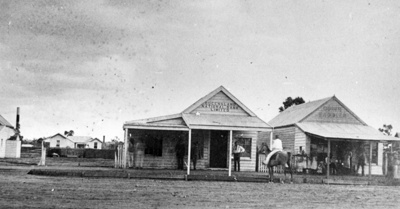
{"points": [[279, 158]]}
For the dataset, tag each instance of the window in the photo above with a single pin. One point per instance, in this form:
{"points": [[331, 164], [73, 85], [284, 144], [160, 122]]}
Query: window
{"points": [[95, 145], [153, 145], [58, 143], [246, 144]]}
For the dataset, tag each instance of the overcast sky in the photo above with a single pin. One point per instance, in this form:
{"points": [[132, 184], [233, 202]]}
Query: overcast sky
{"points": [[90, 66]]}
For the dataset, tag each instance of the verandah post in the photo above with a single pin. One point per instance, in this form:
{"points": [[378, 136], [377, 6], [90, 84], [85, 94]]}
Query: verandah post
{"points": [[125, 148], [370, 160], [189, 149], [230, 153], [328, 160]]}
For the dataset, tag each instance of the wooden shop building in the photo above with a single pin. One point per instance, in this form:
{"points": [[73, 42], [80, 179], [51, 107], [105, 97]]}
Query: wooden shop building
{"points": [[327, 127], [215, 122]]}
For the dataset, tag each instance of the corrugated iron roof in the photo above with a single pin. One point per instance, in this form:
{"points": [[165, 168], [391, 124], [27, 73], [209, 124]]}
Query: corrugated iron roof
{"points": [[224, 120], [344, 131], [204, 120], [4, 122], [80, 139], [296, 113]]}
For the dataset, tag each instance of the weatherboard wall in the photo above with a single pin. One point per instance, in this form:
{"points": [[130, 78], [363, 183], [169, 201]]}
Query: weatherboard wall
{"points": [[287, 136], [168, 159]]}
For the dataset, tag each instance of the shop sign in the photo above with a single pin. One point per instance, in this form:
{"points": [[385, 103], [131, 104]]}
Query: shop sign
{"points": [[332, 112], [220, 106]]}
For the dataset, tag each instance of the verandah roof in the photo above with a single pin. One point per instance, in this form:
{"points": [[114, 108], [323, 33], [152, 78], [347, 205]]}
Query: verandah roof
{"points": [[344, 131], [193, 121]]}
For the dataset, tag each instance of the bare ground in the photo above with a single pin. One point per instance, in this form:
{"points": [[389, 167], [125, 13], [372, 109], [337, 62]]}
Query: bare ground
{"points": [[20, 190]]}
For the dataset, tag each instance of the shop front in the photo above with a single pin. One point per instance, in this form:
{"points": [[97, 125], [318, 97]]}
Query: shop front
{"points": [[207, 129], [326, 132]]}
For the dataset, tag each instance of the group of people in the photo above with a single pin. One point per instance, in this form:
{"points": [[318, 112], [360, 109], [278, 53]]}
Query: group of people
{"points": [[180, 149], [136, 153], [180, 154]]}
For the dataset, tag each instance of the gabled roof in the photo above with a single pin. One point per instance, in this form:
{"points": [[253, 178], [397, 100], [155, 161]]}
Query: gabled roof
{"points": [[213, 93], [187, 119], [58, 134], [298, 113], [4, 122]]}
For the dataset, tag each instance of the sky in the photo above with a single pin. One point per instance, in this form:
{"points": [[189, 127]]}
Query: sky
{"points": [[90, 66]]}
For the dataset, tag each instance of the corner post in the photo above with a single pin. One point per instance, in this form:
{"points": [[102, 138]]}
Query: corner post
{"points": [[125, 148], [328, 160], [189, 150], [230, 153], [370, 161]]}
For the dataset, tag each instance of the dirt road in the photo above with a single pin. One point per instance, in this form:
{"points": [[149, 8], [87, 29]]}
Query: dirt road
{"points": [[20, 190]]}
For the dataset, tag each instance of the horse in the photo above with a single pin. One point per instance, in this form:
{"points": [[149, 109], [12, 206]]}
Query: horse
{"points": [[279, 158]]}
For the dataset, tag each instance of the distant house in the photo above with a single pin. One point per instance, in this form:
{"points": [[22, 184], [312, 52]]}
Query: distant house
{"points": [[8, 148], [83, 142]]}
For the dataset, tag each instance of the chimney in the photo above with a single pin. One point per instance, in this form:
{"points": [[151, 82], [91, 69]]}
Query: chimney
{"points": [[103, 146], [17, 123]]}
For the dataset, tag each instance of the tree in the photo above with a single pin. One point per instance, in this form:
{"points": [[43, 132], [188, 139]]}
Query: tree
{"points": [[69, 133], [289, 102], [387, 129]]}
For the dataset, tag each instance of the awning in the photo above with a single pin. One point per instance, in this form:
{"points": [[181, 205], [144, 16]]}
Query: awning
{"points": [[225, 122], [344, 131]]}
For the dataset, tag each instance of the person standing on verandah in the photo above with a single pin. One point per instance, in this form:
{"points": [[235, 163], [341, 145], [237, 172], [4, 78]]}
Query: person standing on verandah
{"points": [[276, 147], [131, 151], [195, 154], [139, 154], [180, 153], [237, 151]]}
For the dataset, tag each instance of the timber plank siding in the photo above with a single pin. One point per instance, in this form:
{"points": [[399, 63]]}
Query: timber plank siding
{"points": [[287, 136]]}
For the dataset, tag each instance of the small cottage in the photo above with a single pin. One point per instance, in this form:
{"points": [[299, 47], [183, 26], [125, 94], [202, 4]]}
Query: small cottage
{"points": [[83, 142]]}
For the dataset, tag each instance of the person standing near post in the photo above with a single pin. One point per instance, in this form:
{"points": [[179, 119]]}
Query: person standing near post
{"points": [[237, 151], [131, 151], [360, 158], [139, 154], [195, 154], [180, 153], [276, 147]]}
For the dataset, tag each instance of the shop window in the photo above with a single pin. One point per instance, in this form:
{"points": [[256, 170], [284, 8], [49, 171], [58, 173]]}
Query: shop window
{"points": [[58, 143], [246, 144], [374, 152], [153, 145]]}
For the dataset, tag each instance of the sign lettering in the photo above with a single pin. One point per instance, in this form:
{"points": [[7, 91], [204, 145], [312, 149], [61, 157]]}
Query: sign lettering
{"points": [[220, 106], [332, 112]]}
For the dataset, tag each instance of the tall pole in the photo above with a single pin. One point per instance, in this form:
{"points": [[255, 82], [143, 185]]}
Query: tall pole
{"points": [[17, 123], [189, 150], [230, 153]]}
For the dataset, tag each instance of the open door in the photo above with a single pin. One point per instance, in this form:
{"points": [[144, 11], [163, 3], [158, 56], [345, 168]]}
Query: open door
{"points": [[218, 149]]}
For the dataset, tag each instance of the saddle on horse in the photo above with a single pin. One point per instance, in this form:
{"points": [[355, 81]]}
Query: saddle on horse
{"points": [[275, 155]]}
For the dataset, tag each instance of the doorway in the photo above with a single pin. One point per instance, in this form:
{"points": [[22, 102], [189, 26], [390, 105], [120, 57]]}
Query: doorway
{"points": [[218, 149]]}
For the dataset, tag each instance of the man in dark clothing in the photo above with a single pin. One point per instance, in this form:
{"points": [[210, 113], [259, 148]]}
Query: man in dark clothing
{"points": [[195, 154], [180, 153]]}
